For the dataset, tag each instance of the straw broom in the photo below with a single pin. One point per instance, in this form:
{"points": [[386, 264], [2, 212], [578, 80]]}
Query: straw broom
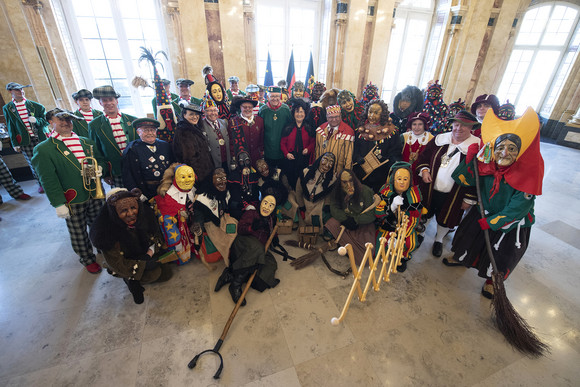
{"points": [[513, 326]]}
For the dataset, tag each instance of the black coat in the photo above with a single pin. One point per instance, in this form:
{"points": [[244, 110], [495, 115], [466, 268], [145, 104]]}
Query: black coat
{"points": [[191, 147]]}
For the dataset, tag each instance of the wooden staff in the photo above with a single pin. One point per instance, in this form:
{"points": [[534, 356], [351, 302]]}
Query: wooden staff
{"points": [[219, 343]]}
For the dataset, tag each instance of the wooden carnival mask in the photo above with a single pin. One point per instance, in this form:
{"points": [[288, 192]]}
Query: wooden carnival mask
{"points": [[402, 180], [184, 178], [267, 205]]}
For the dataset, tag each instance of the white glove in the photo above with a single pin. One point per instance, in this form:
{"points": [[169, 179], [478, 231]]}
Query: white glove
{"points": [[99, 171], [179, 248], [143, 198], [17, 149], [62, 212], [397, 201], [32, 120]]}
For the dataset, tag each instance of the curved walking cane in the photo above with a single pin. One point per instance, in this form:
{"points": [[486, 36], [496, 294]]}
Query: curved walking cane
{"points": [[220, 341], [510, 323]]}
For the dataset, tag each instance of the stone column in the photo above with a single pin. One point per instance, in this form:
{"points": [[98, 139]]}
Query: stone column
{"points": [[250, 40], [214, 37], [176, 44], [367, 44], [383, 26], [336, 63]]}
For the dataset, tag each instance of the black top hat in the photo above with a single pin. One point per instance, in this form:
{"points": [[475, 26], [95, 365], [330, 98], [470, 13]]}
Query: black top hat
{"points": [[105, 91], [82, 93], [15, 86]]}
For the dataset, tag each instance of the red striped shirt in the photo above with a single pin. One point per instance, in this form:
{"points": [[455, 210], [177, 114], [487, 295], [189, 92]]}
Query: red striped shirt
{"points": [[87, 115], [118, 132], [73, 143], [23, 113]]}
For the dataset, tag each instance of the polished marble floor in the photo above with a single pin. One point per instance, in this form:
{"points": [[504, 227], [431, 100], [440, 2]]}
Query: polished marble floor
{"points": [[61, 326]]}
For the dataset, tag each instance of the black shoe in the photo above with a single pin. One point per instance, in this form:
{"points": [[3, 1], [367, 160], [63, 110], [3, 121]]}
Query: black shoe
{"points": [[451, 262], [403, 266], [437, 249], [136, 290], [420, 238], [487, 291], [225, 278], [236, 293]]}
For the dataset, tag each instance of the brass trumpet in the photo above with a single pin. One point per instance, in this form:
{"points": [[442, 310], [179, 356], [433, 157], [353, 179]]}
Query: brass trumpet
{"points": [[89, 173]]}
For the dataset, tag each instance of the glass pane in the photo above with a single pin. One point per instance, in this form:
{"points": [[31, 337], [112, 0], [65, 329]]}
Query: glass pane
{"points": [[82, 8], [389, 89], [122, 87], [126, 105], [514, 74], [151, 34], [538, 78], [101, 8], [413, 47], [556, 86], [106, 28], [88, 27], [128, 8], [99, 69], [133, 28], [112, 49], [560, 25], [117, 68], [94, 49], [533, 25]]}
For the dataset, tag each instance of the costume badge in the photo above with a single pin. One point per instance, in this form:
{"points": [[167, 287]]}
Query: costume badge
{"points": [[221, 142], [528, 196], [156, 173], [66, 153], [151, 159], [275, 117], [161, 157]]}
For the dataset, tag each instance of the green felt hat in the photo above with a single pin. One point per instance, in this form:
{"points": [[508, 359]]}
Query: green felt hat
{"points": [[145, 121]]}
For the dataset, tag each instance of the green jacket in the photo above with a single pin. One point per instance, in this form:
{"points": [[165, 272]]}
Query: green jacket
{"points": [[231, 96], [17, 129], [354, 210], [174, 103], [274, 122], [101, 133], [81, 127], [60, 171]]}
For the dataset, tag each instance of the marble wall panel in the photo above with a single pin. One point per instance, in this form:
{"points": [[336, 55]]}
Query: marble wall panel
{"points": [[382, 36], [232, 24]]}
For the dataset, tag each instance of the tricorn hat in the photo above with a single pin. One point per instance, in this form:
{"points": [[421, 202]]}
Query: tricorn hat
{"points": [[105, 91], [15, 86], [82, 93]]}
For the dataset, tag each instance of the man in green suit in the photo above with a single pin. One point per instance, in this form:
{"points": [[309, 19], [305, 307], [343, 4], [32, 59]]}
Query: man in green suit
{"points": [[184, 86], [83, 99], [174, 98], [234, 89], [26, 123], [59, 162], [111, 132]]}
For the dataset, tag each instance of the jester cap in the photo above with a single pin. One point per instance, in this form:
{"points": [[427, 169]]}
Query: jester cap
{"points": [[526, 128]]}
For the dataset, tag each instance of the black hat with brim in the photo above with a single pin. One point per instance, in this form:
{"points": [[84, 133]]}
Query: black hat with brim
{"points": [[15, 86], [188, 82], [191, 107], [145, 121], [82, 93], [238, 101], [105, 91]]}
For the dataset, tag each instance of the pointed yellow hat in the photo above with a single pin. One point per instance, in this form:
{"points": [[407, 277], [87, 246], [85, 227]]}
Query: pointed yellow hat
{"points": [[526, 128]]}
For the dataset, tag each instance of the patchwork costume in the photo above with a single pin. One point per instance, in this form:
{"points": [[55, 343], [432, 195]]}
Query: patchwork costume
{"points": [[338, 141]]}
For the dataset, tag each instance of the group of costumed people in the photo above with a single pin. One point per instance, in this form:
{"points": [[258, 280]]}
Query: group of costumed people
{"points": [[212, 176]]}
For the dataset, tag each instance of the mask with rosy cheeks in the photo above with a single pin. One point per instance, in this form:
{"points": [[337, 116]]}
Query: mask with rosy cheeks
{"points": [[347, 183], [185, 178], [284, 97], [216, 92], [505, 153], [267, 205], [263, 168], [220, 180], [374, 113], [402, 180], [127, 210]]}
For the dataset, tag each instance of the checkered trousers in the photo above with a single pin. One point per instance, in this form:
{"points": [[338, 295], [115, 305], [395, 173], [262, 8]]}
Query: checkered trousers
{"points": [[8, 181], [118, 182], [82, 216], [27, 152]]}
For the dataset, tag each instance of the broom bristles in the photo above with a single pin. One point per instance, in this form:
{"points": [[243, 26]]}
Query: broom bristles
{"points": [[513, 326], [305, 260]]}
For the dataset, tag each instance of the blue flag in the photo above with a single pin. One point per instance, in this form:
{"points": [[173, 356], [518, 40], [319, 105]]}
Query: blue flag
{"points": [[310, 76], [268, 78], [291, 74]]}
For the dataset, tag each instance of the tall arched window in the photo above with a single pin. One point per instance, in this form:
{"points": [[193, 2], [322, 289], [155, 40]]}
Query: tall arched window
{"points": [[542, 57], [407, 46]]}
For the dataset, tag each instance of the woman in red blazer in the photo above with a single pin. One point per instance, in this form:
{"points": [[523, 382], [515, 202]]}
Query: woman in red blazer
{"points": [[298, 150]]}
